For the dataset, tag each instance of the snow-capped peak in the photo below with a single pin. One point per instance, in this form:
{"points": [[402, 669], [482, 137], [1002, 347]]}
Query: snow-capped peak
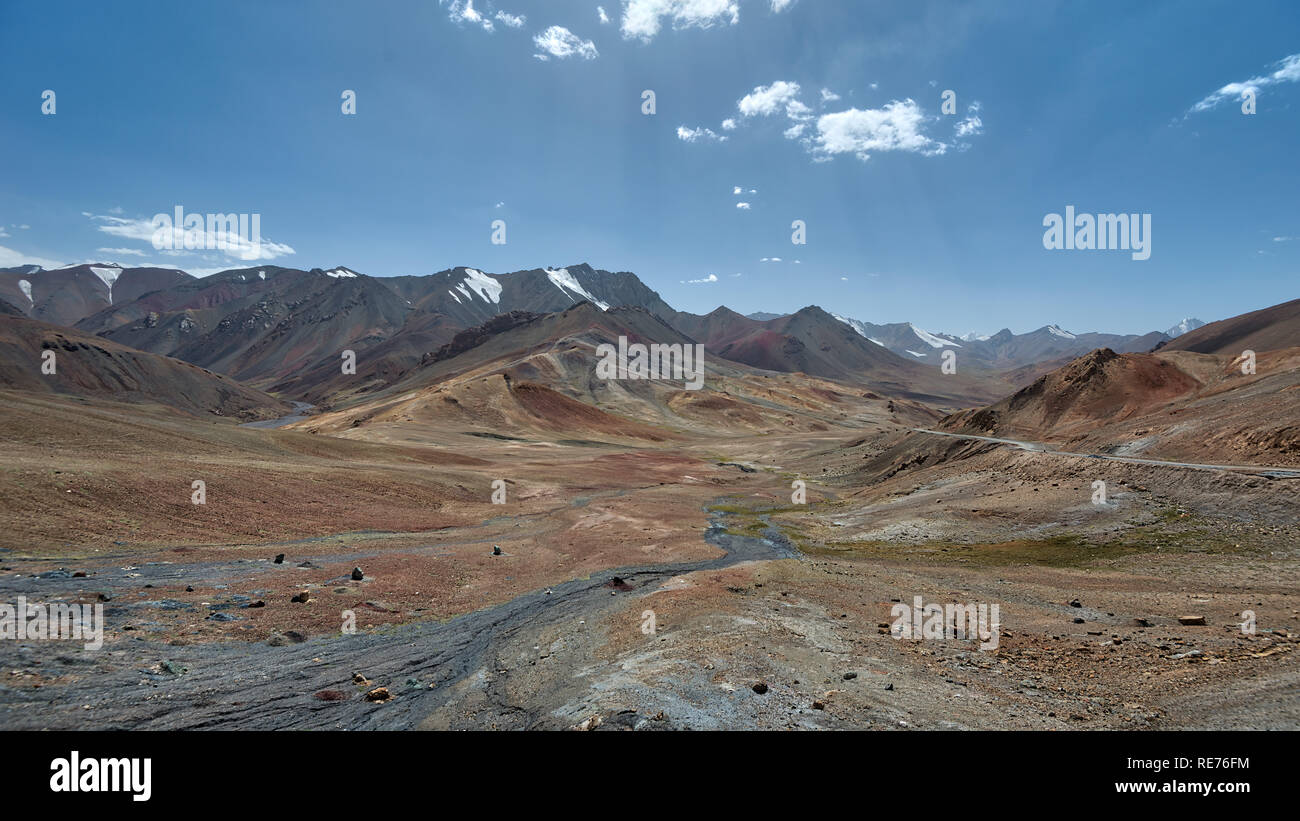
{"points": [[974, 337], [930, 339], [341, 272], [1185, 325], [1055, 330], [568, 285], [855, 324]]}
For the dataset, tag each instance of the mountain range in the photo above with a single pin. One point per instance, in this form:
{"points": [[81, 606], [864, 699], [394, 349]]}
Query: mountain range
{"points": [[285, 328]]}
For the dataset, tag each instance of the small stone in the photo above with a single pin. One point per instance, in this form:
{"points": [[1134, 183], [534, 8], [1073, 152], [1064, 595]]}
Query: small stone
{"points": [[760, 688], [849, 676], [819, 705], [889, 686], [1141, 623], [279, 558], [1078, 621], [1192, 620], [378, 694], [357, 575], [301, 598], [1076, 603]]}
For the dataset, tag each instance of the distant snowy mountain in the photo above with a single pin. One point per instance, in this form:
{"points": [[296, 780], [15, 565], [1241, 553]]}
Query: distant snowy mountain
{"points": [[1183, 327], [999, 351]]}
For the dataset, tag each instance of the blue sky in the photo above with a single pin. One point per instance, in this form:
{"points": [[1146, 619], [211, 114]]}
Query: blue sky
{"points": [[235, 107]]}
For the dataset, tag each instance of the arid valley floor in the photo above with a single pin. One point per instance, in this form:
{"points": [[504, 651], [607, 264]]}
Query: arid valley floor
{"points": [[748, 591]]}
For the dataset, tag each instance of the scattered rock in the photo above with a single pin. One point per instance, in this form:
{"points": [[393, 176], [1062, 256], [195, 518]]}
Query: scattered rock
{"points": [[889, 686], [590, 724], [258, 603], [1076, 603], [760, 687], [1141, 623], [849, 676], [1194, 621], [1078, 620], [819, 705], [279, 558], [357, 575], [496, 551], [378, 694], [357, 678], [301, 598]]}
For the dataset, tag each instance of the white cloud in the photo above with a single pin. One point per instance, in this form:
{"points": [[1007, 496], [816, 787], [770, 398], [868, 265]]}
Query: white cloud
{"points": [[1283, 239], [728, 124], [829, 96], [23, 227], [743, 206], [707, 279], [971, 124], [600, 12], [642, 19], [463, 11], [737, 190], [122, 252], [1288, 71], [10, 258], [898, 126], [500, 205], [795, 131], [232, 245], [770, 259], [779, 6], [513, 21], [764, 101], [559, 42], [691, 135]]}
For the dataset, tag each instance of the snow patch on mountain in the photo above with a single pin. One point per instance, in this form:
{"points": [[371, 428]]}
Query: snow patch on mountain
{"points": [[26, 288], [346, 273], [1055, 330], [483, 285], [568, 285], [930, 339], [109, 276], [921, 355], [974, 337]]}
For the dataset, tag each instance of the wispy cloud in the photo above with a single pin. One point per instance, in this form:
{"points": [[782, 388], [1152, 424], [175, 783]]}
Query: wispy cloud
{"points": [[9, 258], [704, 281], [692, 135], [743, 206], [122, 252], [183, 239], [560, 43], [1287, 71]]}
